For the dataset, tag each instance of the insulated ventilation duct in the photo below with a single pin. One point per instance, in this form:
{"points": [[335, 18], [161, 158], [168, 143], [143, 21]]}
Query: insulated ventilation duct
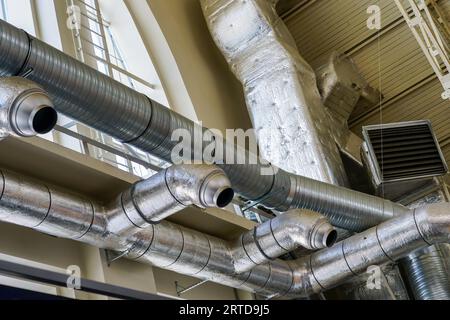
{"points": [[343, 88], [294, 130], [297, 128], [132, 224]]}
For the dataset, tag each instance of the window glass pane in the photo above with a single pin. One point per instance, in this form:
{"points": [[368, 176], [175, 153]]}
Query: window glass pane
{"points": [[3, 14], [19, 13], [100, 48]]}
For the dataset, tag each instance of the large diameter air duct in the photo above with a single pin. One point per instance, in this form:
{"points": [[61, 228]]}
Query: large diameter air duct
{"points": [[93, 98], [308, 275], [189, 252], [293, 127], [25, 108]]}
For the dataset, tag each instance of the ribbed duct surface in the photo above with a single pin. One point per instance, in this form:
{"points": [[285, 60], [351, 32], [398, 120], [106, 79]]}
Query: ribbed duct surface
{"points": [[403, 151], [427, 274], [91, 97]]}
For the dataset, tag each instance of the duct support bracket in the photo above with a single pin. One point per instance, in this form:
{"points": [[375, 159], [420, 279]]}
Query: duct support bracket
{"points": [[182, 290], [112, 256]]}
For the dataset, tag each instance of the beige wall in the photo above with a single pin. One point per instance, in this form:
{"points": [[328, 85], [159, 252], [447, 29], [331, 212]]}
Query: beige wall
{"points": [[215, 93]]}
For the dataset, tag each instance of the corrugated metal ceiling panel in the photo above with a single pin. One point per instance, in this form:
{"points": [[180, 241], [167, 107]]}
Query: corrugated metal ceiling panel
{"points": [[411, 90], [339, 25], [394, 63]]}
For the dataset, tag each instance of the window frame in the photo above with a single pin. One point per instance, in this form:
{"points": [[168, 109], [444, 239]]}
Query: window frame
{"points": [[3, 10], [94, 42]]}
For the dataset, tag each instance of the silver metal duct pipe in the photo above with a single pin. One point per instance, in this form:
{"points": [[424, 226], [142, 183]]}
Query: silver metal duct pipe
{"points": [[147, 202], [281, 235], [121, 226], [152, 200], [87, 95], [25, 108], [427, 274], [387, 242], [189, 252], [294, 129]]}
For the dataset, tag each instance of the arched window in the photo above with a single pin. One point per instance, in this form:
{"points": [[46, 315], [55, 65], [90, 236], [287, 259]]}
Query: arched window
{"points": [[19, 13], [101, 34], [106, 39], [111, 43]]}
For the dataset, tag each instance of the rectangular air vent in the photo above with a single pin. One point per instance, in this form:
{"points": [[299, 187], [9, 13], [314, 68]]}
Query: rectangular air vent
{"points": [[404, 151]]}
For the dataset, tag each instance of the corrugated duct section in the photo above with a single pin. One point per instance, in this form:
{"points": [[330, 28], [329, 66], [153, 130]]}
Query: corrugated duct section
{"points": [[98, 101], [427, 274]]}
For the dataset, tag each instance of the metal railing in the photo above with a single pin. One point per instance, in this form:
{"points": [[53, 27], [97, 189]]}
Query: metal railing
{"points": [[91, 40], [431, 35]]}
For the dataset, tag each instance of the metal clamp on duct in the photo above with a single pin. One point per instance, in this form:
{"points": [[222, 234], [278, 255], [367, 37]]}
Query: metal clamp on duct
{"points": [[25, 108], [152, 200]]}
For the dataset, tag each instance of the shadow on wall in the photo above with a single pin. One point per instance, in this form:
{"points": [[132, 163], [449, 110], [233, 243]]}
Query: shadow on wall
{"points": [[216, 94]]}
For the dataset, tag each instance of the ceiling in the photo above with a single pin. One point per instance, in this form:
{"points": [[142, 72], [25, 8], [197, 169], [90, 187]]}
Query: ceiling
{"points": [[390, 60]]}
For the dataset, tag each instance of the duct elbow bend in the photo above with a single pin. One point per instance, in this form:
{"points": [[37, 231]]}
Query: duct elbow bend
{"points": [[25, 108], [166, 193], [283, 234], [433, 222]]}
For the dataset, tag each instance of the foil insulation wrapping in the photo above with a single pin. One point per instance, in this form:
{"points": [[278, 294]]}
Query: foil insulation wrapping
{"points": [[294, 130]]}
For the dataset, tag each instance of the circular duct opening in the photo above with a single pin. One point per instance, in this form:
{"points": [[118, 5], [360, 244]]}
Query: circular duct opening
{"points": [[331, 238], [45, 120], [225, 197]]}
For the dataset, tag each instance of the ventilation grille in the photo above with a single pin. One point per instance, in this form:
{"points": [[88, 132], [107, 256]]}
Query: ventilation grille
{"points": [[404, 151]]}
